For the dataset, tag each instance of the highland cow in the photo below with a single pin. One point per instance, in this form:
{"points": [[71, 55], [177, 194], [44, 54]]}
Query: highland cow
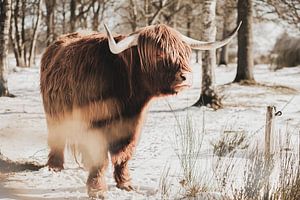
{"points": [[96, 91]]}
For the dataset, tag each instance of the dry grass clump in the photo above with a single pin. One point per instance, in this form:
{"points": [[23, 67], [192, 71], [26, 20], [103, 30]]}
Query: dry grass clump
{"points": [[187, 146], [275, 179], [165, 184], [288, 184], [188, 142], [229, 143], [255, 178]]}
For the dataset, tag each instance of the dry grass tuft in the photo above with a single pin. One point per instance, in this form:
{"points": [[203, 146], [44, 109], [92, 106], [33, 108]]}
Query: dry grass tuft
{"points": [[188, 143], [165, 184], [288, 184], [229, 143], [255, 178]]}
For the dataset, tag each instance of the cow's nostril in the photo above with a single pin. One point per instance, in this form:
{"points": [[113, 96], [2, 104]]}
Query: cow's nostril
{"points": [[182, 77]]}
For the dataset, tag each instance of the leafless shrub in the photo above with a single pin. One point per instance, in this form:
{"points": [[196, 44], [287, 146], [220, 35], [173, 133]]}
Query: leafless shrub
{"points": [[286, 52]]}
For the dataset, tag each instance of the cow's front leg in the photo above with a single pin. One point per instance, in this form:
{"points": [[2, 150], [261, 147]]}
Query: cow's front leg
{"points": [[95, 158], [121, 152]]}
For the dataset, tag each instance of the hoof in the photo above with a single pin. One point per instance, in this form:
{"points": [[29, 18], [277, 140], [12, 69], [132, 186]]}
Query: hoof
{"points": [[125, 186], [55, 163], [96, 188], [55, 168], [95, 193]]}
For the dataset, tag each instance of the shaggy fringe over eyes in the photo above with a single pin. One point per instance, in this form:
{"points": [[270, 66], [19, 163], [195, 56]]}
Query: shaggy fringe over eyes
{"points": [[162, 41]]}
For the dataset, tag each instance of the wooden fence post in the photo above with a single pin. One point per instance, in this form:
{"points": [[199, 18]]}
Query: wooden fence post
{"points": [[268, 136], [268, 131]]}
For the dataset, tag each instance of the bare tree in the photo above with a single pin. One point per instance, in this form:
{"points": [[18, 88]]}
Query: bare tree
{"points": [[61, 17], [98, 9], [50, 16], [35, 34], [245, 55], [5, 15], [169, 11], [78, 11], [71, 15], [144, 13], [209, 96], [24, 38], [228, 14], [130, 12], [18, 36], [73, 18], [286, 10]]}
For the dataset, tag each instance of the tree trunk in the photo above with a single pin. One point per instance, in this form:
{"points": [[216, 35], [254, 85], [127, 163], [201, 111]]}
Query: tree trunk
{"points": [[63, 17], [133, 15], [34, 35], [50, 7], [18, 36], [73, 15], [5, 15], [147, 12], [224, 50], [96, 13], [224, 55], [229, 17], [188, 20], [23, 40], [208, 95], [245, 57]]}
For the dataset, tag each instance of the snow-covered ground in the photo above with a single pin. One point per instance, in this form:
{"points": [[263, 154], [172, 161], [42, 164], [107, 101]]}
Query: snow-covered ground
{"points": [[23, 132]]}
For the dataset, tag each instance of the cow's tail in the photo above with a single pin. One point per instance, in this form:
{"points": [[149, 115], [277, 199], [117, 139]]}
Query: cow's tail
{"points": [[75, 154]]}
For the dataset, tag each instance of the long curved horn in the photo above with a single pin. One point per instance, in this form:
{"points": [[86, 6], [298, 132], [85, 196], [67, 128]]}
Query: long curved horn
{"points": [[200, 45], [122, 45]]}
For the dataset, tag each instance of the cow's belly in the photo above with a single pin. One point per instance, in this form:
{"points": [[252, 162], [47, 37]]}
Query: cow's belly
{"points": [[120, 130], [76, 129]]}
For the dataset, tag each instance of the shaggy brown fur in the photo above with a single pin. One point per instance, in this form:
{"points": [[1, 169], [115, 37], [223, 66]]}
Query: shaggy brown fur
{"points": [[97, 100]]}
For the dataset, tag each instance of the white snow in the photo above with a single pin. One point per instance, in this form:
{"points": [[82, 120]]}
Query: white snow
{"points": [[23, 133]]}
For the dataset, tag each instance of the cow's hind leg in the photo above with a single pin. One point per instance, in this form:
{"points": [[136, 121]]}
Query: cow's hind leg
{"points": [[121, 152], [56, 142]]}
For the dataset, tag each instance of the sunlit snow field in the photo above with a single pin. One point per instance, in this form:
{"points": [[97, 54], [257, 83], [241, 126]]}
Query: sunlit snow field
{"points": [[23, 133]]}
